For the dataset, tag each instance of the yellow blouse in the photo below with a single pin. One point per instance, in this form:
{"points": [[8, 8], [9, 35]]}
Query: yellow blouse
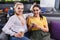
{"points": [[37, 21]]}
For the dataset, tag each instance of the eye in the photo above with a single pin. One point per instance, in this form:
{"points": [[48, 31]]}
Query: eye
{"points": [[36, 10], [20, 8]]}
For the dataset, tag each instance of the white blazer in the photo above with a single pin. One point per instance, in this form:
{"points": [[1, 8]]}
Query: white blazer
{"points": [[14, 26]]}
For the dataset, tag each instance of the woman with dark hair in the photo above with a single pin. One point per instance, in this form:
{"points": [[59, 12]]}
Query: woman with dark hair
{"points": [[38, 25]]}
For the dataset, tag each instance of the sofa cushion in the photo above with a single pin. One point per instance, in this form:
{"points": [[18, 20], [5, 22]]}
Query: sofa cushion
{"points": [[55, 29]]}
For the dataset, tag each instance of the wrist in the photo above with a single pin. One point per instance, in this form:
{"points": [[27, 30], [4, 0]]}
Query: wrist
{"points": [[41, 28]]}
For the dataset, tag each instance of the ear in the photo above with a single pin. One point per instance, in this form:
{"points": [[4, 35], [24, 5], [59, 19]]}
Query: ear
{"points": [[39, 10], [14, 9]]}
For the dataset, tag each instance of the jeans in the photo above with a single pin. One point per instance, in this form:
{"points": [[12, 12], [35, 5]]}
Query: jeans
{"points": [[23, 38]]}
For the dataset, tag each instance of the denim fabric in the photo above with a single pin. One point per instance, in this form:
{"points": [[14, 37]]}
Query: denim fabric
{"points": [[23, 38]]}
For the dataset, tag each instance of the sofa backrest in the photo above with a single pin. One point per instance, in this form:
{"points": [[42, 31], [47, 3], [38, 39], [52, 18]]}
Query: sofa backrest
{"points": [[55, 29]]}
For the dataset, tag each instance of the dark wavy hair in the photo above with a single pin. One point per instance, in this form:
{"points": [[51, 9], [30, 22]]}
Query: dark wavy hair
{"points": [[41, 16]]}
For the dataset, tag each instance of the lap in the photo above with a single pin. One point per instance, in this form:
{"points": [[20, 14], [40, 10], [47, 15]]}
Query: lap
{"points": [[15, 38], [39, 35]]}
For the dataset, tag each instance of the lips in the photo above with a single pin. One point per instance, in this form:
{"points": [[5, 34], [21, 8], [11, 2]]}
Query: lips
{"points": [[19, 11]]}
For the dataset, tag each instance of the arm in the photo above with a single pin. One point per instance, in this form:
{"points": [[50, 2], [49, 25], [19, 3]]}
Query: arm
{"points": [[29, 23], [7, 27], [32, 6], [45, 29], [45, 24]]}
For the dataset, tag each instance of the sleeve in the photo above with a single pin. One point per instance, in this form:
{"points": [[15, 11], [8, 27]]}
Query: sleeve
{"points": [[28, 21], [7, 27], [45, 21], [25, 28]]}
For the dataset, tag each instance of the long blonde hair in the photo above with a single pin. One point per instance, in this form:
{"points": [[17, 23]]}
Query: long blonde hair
{"points": [[18, 3]]}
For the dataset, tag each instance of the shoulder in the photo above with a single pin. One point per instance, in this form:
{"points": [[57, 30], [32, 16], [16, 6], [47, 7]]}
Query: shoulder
{"points": [[30, 17], [44, 17], [12, 17]]}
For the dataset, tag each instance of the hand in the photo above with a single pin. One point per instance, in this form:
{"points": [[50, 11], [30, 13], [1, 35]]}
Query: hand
{"points": [[29, 16], [19, 35], [34, 3], [34, 25], [16, 35]]}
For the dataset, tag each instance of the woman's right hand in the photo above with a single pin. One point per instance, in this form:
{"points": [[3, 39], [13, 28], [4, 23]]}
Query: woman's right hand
{"points": [[16, 35], [19, 35]]}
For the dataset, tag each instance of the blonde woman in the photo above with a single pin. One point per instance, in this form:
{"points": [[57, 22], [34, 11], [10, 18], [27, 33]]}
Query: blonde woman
{"points": [[16, 25]]}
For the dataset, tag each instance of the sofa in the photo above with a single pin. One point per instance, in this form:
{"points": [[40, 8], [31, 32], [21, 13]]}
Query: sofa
{"points": [[54, 27]]}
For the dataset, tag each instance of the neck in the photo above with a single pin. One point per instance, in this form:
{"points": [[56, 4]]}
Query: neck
{"points": [[36, 16], [19, 14]]}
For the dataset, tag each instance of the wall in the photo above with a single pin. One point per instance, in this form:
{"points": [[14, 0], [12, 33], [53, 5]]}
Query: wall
{"points": [[6, 5], [57, 4], [47, 3]]}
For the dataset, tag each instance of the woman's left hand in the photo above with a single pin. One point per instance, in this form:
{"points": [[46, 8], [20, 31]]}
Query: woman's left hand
{"points": [[36, 26]]}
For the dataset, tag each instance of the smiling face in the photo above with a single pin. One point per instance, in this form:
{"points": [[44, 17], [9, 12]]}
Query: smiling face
{"points": [[19, 9], [36, 10]]}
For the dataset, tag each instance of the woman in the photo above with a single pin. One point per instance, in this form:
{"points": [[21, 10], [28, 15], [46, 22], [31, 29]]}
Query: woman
{"points": [[38, 25], [16, 25]]}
